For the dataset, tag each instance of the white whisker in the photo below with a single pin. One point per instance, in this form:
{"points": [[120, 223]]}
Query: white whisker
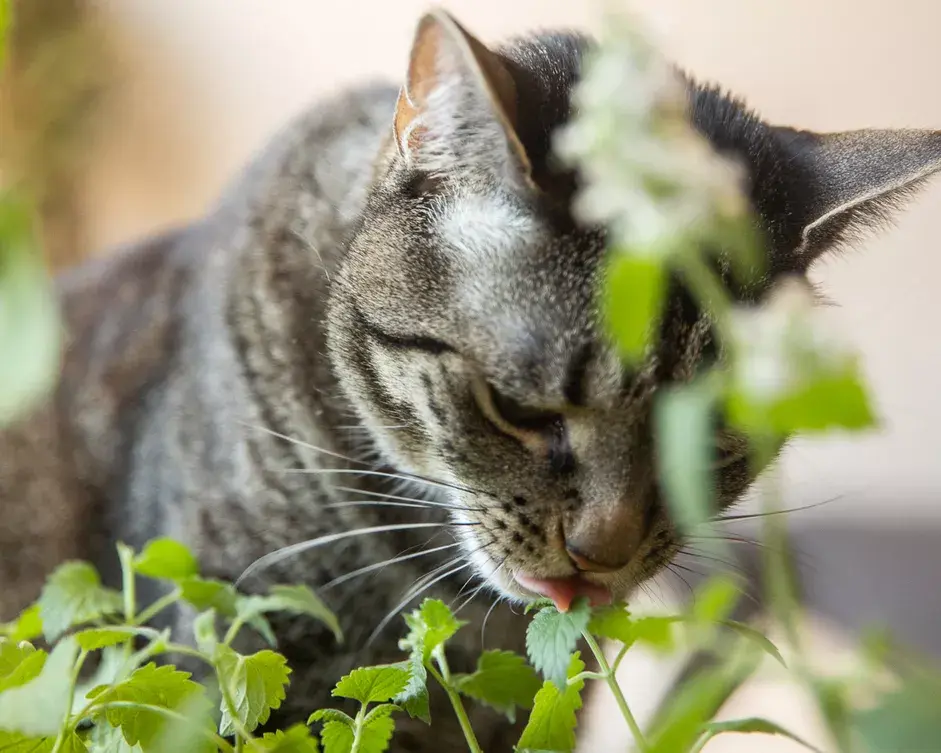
{"points": [[380, 565], [417, 500], [300, 443]]}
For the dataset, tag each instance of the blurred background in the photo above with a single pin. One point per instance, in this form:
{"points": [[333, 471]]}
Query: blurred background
{"points": [[172, 96]]}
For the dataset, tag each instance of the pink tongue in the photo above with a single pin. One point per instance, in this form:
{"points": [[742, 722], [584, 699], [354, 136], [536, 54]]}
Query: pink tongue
{"points": [[563, 591]]}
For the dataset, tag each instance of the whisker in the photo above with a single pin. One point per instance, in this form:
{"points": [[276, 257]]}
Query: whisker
{"points": [[479, 588], [483, 627], [279, 555], [379, 565], [417, 500], [750, 516], [410, 597], [382, 474], [386, 503], [300, 443]]}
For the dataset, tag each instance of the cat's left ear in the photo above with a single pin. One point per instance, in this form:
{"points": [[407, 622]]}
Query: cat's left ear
{"points": [[844, 182], [457, 110]]}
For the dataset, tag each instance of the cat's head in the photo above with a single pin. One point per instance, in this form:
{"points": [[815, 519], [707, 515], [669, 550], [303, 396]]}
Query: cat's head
{"points": [[464, 323]]}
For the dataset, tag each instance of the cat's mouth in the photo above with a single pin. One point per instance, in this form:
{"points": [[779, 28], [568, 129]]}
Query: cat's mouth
{"points": [[563, 591]]}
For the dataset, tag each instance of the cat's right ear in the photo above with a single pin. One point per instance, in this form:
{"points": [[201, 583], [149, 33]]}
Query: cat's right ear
{"points": [[457, 110]]}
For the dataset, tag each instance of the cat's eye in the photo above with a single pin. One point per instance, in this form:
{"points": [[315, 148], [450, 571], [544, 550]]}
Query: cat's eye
{"points": [[521, 416], [729, 449]]}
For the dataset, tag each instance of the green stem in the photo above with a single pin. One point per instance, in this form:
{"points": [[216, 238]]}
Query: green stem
{"points": [[221, 742], [158, 606], [233, 630], [616, 691], [358, 729], [444, 679], [126, 554], [67, 723], [701, 742]]}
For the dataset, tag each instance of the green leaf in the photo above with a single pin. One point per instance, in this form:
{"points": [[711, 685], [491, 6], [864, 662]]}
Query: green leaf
{"points": [[30, 330], [204, 630], [755, 725], [372, 684], [757, 637], [337, 738], [256, 683], [204, 593], [715, 600], [503, 680], [377, 730], [908, 719], [73, 594], [26, 627], [296, 739], [12, 742], [655, 631], [414, 698], [540, 602], [167, 559], [823, 402], [552, 723], [683, 431], [96, 638], [613, 622], [150, 685], [291, 599], [552, 636], [107, 739], [431, 625], [19, 663], [330, 715], [633, 301], [37, 708]]}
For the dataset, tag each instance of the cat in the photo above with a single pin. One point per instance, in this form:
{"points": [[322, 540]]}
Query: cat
{"points": [[394, 305]]}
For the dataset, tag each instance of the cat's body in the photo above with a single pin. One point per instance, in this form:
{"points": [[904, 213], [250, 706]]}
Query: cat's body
{"points": [[312, 305]]}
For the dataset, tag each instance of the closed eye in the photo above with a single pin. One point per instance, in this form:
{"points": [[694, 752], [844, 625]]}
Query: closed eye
{"points": [[523, 417]]}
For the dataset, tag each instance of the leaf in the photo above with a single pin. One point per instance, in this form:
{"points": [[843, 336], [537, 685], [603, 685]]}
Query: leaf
{"points": [[256, 684], [19, 663], [330, 715], [633, 301], [551, 638], [503, 680], [613, 622], [107, 739], [337, 738], [755, 725], [30, 330], [757, 637], [96, 638], [292, 599], [683, 431], [655, 631], [715, 600], [431, 624], [296, 739], [204, 630], [150, 685], [73, 594], [26, 627], [907, 720], [383, 710], [372, 684], [552, 723], [538, 603], [38, 708], [377, 730], [12, 742], [167, 559], [414, 698], [204, 593]]}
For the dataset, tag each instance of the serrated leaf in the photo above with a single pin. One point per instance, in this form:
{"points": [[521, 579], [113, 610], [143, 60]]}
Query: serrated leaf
{"points": [[150, 685], [414, 698], [19, 663], [107, 739], [552, 723], [372, 684], [683, 433], [655, 631], [204, 630], [291, 599], [167, 559], [551, 638], [192, 730], [431, 625], [377, 732], [11, 742], [330, 715], [97, 638], [73, 594], [755, 725], [296, 739], [337, 738], [633, 300], [503, 681], [757, 637], [715, 601], [538, 603], [26, 627], [205, 593], [613, 622], [256, 683], [38, 708]]}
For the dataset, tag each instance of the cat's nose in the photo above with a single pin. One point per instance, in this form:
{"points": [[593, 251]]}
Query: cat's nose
{"points": [[603, 540]]}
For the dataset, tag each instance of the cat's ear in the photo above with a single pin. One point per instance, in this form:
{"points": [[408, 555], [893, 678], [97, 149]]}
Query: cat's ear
{"points": [[853, 180], [458, 107]]}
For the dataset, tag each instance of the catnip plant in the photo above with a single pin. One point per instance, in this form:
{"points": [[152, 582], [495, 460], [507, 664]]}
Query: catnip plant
{"points": [[779, 373]]}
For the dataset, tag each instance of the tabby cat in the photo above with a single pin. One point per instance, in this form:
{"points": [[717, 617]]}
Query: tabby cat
{"points": [[395, 301]]}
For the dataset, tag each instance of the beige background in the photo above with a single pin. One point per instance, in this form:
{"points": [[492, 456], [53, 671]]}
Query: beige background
{"points": [[207, 81]]}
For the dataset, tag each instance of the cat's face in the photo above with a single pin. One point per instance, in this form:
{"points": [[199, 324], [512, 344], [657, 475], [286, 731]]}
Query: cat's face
{"points": [[465, 325]]}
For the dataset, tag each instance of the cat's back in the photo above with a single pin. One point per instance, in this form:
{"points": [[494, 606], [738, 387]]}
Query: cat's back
{"points": [[134, 316]]}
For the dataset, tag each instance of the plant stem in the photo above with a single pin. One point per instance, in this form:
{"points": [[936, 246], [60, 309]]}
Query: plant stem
{"points": [[126, 555], [358, 729], [616, 690], [444, 678], [233, 630], [158, 606], [67, 723]]}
